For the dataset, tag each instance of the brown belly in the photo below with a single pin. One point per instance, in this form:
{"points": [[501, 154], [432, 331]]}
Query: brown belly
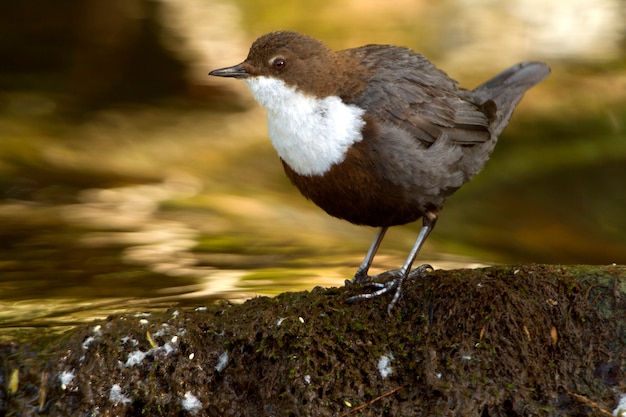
{"points": [[361, 195]]}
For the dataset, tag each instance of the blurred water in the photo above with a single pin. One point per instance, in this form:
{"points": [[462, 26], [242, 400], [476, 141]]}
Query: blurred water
{"points": [[128, 207]]}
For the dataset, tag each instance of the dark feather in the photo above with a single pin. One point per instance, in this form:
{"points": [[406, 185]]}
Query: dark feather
{"points": [[422, 100]]}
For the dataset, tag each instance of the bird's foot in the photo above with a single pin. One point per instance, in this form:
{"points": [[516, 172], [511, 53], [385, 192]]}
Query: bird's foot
{"points": [[374, 281], [420, 271], [394, 284], [360, 277]]}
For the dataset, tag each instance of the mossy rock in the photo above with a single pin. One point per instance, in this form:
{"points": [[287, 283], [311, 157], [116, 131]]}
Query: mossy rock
{"points": [[499, 341]]}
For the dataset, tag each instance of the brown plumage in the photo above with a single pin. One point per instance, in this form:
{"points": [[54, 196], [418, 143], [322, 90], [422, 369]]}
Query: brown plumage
{"points": [[422, 136]]}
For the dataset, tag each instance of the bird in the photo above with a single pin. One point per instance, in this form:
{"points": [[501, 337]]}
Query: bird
{"points": [[377, 135]]}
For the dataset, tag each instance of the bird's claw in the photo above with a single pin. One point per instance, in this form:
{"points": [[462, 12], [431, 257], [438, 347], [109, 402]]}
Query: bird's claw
{"points": [[383, 288], [373, 281], [420, 271], [360, 277]]}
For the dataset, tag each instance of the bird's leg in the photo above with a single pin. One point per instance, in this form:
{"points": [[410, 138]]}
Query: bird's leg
{"points": [[429, 220], [428, 223], [361, 274]]}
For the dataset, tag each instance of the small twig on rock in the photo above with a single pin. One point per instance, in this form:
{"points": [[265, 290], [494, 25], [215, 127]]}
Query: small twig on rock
{"points": [[372, 401], [588, 402]]}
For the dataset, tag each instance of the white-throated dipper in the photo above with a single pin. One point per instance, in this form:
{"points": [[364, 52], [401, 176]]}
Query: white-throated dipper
{"points": [[376, 135]]}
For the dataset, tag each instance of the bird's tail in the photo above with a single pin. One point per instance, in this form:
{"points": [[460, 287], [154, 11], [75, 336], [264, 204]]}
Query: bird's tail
{"points": [[506, 89]]}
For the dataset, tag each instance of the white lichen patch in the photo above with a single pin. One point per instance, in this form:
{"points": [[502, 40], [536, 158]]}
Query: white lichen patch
{"points": [[168, 348], [126, 339], [88, 341], [97, 331], [222, 361], [384, 365], [191, 403], [135, 358], [620, 410], [66, 378], [165, 330], [117, 397]]}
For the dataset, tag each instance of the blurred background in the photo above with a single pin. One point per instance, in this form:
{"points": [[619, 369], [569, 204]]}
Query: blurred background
{"points": [[131, 180]]}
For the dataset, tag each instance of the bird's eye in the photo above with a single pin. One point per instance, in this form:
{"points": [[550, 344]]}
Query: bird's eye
{"points": [[278, 63]]}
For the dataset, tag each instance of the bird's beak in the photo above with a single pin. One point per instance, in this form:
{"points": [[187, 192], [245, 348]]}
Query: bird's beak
{"points": [[237, 71]]}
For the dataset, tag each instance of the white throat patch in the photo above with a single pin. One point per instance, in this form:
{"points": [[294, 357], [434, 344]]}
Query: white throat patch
{"points": [[310, 134]]}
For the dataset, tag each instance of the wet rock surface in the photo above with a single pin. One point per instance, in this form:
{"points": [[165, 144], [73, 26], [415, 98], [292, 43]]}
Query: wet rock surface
{"points": [[499, 341]]}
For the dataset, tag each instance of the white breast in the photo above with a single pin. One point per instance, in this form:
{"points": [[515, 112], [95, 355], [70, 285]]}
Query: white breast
{"points": [[310, 134]]}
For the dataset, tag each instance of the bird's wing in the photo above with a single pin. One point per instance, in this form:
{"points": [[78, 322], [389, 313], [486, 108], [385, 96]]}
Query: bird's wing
{"points": [[405, 89]]}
